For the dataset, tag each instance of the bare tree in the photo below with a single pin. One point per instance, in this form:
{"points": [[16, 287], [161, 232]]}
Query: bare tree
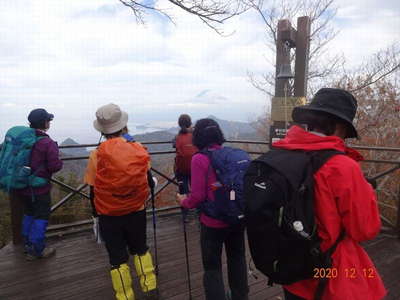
{"points": [[385, 64], [211, 12], [375, 85], [378, 123], [321, 13], [324, 69]]}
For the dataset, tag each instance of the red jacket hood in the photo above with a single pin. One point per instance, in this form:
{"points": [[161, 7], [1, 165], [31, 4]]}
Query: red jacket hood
{"points": [[299, 139]]}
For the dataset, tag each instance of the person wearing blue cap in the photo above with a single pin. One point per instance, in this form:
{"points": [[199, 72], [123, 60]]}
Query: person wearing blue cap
{"points": [[44, 161]]}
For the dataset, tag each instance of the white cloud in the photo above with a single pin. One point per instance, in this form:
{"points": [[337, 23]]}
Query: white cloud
{"points": [[8, 104], [366, 26], [73, 56]]}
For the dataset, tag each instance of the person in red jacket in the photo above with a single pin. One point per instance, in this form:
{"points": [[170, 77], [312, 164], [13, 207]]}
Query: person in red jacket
{"points": [[184, 152], [344, 200]]}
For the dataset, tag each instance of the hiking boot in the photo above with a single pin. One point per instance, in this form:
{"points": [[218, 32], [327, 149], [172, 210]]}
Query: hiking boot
{"points": [[122, 282], [47, 252], [228, 295], [151, 295]]}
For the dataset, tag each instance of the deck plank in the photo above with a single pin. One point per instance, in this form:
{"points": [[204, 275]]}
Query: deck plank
{"points": [[80, 268]]}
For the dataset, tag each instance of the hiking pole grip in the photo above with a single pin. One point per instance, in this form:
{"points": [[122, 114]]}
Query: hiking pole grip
{"points": [[181, 189], [152, 185]]}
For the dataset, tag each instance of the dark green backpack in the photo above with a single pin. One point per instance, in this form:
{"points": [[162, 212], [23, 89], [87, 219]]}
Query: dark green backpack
{"points": [[15, 154]]}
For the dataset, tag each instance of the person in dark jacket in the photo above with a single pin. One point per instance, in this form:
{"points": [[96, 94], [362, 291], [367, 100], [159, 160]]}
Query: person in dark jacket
{"points": [[37, 201]]}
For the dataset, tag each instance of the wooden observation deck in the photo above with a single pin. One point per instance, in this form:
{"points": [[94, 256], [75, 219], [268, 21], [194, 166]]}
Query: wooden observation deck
{"points": [[80, 268]]}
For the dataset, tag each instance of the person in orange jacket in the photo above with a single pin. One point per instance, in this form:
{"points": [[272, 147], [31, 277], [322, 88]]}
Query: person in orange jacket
{"points": [[344, 200], [118, 170]]}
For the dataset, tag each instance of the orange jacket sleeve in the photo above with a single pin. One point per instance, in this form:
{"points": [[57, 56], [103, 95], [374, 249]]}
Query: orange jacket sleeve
{"points": [[91, 168]]}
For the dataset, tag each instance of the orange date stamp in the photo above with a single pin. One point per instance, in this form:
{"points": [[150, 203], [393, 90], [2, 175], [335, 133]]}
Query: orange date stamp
{"points": [[347, 273]]}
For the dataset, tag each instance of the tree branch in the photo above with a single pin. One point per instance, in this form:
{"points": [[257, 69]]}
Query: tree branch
{"points": [[211, 12]]}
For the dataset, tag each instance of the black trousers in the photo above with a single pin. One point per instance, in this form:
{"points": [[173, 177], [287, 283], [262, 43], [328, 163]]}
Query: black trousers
{"points": [[37, 206], [184, 180], [212, 240], [122, 234]]}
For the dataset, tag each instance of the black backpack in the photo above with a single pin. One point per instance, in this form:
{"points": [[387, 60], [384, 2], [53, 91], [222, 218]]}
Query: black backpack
{"points": [[279, 214]]}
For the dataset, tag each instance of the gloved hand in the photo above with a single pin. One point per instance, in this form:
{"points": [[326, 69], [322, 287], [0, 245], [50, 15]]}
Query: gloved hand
{"points": [[180, 198], [155, 181], [372, 182]]}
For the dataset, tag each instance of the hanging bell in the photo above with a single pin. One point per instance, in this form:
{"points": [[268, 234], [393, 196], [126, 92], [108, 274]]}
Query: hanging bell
{"points": [[285, 72]]}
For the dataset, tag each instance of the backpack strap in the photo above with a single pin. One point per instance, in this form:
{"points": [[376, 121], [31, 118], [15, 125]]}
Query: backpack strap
{"points": [[40, 167], [207, 153], [320, 157], [319, 292], [128, 137], [317, 160]]}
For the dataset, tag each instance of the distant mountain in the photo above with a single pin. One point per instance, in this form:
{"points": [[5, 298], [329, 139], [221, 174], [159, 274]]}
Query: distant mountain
{"points": [[236, 130], [73, 151], [231, 129], [161, 136], [69, 141], [76, 167]]}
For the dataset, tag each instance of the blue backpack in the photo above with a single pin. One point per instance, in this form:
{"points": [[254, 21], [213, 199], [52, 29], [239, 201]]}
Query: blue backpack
{"points": [[15, 154], [230, 165]]}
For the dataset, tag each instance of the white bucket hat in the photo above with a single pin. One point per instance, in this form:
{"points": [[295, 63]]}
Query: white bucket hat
{"points": [[110, 118]]}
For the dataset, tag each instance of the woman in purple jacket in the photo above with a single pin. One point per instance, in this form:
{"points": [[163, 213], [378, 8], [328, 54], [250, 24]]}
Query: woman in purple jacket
{"points": [[36, 200], [215, 233]]}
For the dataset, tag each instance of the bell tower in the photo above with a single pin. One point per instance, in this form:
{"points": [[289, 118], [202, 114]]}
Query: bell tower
{"points": [[290, 89]]}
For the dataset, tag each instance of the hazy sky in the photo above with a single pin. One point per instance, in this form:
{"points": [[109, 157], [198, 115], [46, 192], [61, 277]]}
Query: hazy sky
{"points": [[72, 56]]}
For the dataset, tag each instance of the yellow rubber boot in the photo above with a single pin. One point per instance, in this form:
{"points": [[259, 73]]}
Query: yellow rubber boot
{"points": [[145, 270], [122, 283]]}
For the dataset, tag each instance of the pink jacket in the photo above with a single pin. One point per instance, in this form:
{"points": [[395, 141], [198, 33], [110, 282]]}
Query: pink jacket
{"points": [[203, 176]]}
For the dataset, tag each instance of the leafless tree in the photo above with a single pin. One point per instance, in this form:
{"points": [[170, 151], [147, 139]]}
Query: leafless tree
{"points": [[375, 85], [324, 69], [378, 123], [385, 64], [211, 12], [321, 13]]}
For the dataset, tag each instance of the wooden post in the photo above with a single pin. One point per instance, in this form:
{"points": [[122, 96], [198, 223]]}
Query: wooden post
{"points": [[287, 38], [302, 53], [16, 208], [282, 55], [398, 215]]}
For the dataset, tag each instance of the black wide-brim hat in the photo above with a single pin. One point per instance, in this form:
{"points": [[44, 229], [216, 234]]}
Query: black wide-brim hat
{"points": [[337, 102]]}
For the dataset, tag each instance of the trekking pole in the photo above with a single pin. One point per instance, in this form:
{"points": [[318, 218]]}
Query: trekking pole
{"points": [[153, 208], [186, 243]]}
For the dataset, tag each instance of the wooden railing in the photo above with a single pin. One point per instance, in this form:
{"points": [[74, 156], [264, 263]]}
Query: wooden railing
{"points": [[16, 207]]}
